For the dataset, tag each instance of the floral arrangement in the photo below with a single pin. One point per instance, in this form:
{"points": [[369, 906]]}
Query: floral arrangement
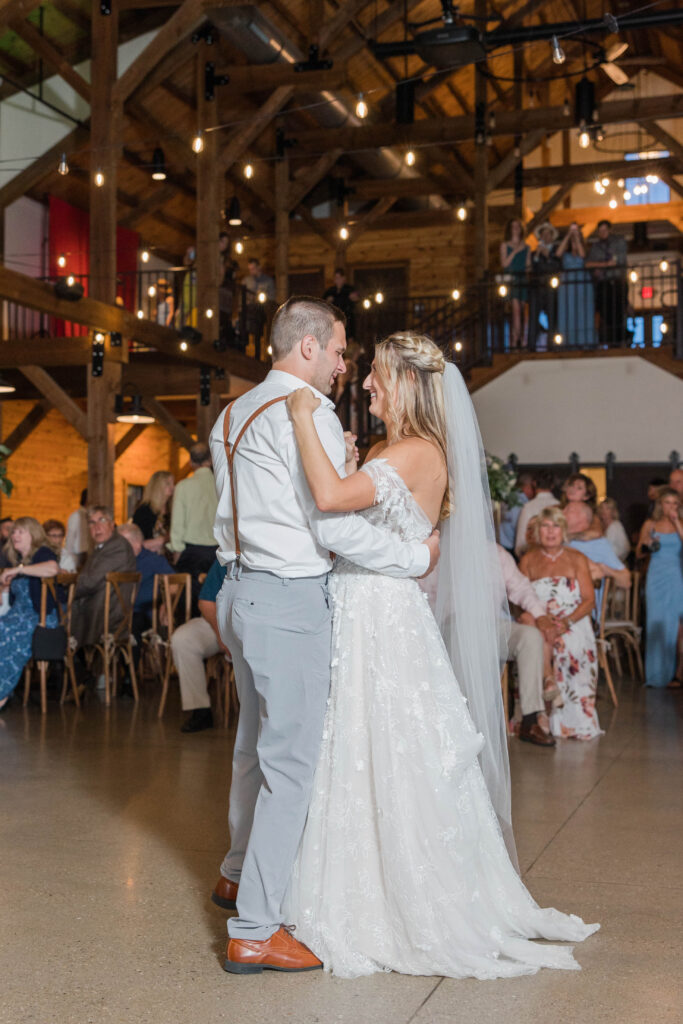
{"points": [[6, 484], [501, 481]]}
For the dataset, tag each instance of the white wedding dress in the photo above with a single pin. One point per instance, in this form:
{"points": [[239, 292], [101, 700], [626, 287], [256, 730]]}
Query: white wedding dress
{"points": [[402, 865]]}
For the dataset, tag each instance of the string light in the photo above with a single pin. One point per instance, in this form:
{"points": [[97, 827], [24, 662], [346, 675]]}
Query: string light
{"points": [[239, 248], [664, 266], [208, 313], [410, 158], [633, 276], [554, 282], [71, 280], [99, 337], [366, 303], [99, 179], [566, 109], [455, 294], [462, 213], [458, 346], [61, 260], [140, 315], [502, 290], [627, 196], [262, 297], [343, 233], [151, 291], [144, 255], [559, 56], [361, 107], [664, 327], [198, 142], [558, 339], [613, 204], [598, 186], [621, 183], [183, 346], [269, 350], [63, 168], [584, 140], [248, 171], [605, 182], [379, 298]]}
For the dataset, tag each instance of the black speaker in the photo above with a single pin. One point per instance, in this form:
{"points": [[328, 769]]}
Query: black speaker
{"points": [[405, 102]]}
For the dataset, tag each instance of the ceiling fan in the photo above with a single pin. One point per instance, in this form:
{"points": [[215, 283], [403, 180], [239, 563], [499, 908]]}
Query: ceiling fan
{"points": [[611, 68]]}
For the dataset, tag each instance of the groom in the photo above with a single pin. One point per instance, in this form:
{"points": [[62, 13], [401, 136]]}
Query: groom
{"points": [[274, 616]]}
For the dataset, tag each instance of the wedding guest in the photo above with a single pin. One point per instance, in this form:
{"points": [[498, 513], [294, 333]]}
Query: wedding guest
{"points": [[543, 297], [77, 540], [153, 514], [5, 530], [344, 296], [55, 533], [525, 490], [165, 310], [191, 644], [31, 560], [603, 563], [192, 519], [525, 647], [149, 564], [515, 259], [608, 511], [662, 537], [607, 260], [562, 581], [111, 553], [676, 482], [543, 498], [576, 297], [579, 487], [257, 283]]}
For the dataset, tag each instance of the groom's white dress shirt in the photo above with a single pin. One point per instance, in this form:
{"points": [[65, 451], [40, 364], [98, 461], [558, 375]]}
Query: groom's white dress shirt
{"points": [[281, 529]]}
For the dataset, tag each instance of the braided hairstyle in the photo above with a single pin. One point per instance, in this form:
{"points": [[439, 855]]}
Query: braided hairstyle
{"points": [[411, 367]]}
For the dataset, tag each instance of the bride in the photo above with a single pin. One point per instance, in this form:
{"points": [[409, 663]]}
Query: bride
{"points": [[403, 864]]}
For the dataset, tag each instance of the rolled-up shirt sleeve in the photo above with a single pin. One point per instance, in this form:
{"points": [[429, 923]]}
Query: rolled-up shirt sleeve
{"points": [[518, 587], [348, 534]]}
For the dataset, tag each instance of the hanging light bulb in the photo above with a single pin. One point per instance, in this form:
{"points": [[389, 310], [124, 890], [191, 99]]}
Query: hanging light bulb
{"points": [[183, 346], [566, 109], [621, 183], [379, 298], [455, 294], [158, 165], [559, 56], [343, 233], [5, 387], [597, 186], [208, 313], [63, 165], [613, 204], [492, 120], [410, 158], [61, 260], [198, 142], [664, 327], [269, 350], [239, 248], [262, 297], [458, 346], [366, 303], [99, 337], [554, 282], [633, 277], [248, 171], [140, 315], [584, 140], [151, 291], [605, 182], [144, 255], [71, 280], [558, 339], [664, 266], [502, 290], [627, 196], [361, 107], [99, 179], [462, 213]]}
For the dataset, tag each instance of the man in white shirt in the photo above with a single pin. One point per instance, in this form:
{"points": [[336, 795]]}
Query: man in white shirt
{"points": [[544, 498], [273, 614]]}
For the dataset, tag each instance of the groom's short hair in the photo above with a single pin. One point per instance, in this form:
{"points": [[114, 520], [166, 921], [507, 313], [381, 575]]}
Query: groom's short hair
{"points": [[301, 315]]}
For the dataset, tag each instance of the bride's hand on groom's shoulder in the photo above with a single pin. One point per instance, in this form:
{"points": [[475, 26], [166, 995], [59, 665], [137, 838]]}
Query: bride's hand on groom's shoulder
{"points": [[302, 401]]}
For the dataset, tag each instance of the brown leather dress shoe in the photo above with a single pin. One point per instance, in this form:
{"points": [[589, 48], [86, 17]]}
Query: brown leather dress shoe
{"points": [[534, 734], [225, 894], [281, 952]]}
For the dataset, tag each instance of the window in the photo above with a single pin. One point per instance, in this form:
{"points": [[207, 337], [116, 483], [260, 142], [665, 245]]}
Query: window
{"points": [[649, 189]]}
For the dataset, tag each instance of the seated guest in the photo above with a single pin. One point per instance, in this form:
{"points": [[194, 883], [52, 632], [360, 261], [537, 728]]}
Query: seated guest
{"points": [[31, 559], [192, 519], [608, 513], [562, 581], [55, 533], [148, 564], [543, 498], [111, 553], [5, 530], [525, 490], [525, 646], [579, 487], [77, 534], [662, 538], [191, 643], [153, 514], [598, 550]]}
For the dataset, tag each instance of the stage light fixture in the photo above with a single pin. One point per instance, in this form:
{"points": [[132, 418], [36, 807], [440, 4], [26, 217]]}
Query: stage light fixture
{"points": [[159, 165], [5, 387], [234, 213], [132, 411]]}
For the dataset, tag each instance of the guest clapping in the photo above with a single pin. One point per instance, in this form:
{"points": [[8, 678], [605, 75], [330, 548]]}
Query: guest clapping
{"points": [[562, 581], [31, 559], [662, 537]]}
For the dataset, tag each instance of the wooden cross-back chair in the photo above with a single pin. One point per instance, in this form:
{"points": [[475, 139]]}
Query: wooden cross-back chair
{"points": [[176, 597], [221, 673], [120, 590], [49, 586], [602, 643], [626, 629]]}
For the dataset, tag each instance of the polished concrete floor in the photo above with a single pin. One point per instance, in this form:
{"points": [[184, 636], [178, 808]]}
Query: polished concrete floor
{"points": [[113, 825]]}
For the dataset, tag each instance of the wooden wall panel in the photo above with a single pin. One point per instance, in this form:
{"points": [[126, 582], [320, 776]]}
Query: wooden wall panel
{"points": [[50, 469]]}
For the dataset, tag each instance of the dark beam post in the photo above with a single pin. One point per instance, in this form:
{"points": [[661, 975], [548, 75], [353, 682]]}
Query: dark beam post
{"points": [[209, 203]]}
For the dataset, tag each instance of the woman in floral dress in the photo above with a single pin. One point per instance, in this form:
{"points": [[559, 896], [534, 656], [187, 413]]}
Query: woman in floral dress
{"points": [[562, 580]]}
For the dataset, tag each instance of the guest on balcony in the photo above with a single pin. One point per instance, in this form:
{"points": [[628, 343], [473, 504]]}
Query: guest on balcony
{"points": [[576, 296], [607, 260], [543, 297], [515, 260]]}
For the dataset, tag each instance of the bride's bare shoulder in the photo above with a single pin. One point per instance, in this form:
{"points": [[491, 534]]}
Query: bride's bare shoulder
{"points": [[415, 457], [376, 450]]}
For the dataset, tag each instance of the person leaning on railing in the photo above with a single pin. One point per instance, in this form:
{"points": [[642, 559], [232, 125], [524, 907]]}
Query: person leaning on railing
{"points": [[31, 560]]}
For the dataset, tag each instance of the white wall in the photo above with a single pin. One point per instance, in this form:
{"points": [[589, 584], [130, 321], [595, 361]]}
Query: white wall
{"points": [[544, 409]]}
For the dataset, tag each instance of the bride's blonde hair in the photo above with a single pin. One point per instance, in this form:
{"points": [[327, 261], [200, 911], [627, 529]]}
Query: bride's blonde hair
{"points": [[411, 367]]}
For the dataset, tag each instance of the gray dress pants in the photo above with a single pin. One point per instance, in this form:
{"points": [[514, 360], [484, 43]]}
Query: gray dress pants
{"points": [[279, 634]]}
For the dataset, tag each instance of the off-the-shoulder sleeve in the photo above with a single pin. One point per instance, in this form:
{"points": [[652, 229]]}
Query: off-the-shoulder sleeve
{"points": [[380, 472]]}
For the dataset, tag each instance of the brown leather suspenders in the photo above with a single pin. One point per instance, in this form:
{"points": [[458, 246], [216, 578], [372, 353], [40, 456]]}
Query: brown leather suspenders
{"points": [[230, 453]]}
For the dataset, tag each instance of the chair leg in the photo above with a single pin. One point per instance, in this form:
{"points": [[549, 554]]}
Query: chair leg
{"points": [[639, 660], [107, 684], [164, 685], [629, 654], [42, 669], [27, 681], [69, 667], [131, 670], [608, 677]]}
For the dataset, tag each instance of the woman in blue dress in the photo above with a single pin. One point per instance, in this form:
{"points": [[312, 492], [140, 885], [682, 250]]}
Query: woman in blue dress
{"points": [[663, 536], [31, 559], [575, 300], [515, 259]]}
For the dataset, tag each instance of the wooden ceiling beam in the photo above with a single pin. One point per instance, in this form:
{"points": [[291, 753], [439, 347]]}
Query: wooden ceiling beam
{"points": [[461, 129], [622, 215], [240, 141], [260, 77], [10, 9], [331, 29], [44, 166], [52, 352], [52, 57], [131, 435], [507, 165], [664, 137], [173, 426], [548, 207], [26, 426], [57, 397], [301, 186], [150, 205]]}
